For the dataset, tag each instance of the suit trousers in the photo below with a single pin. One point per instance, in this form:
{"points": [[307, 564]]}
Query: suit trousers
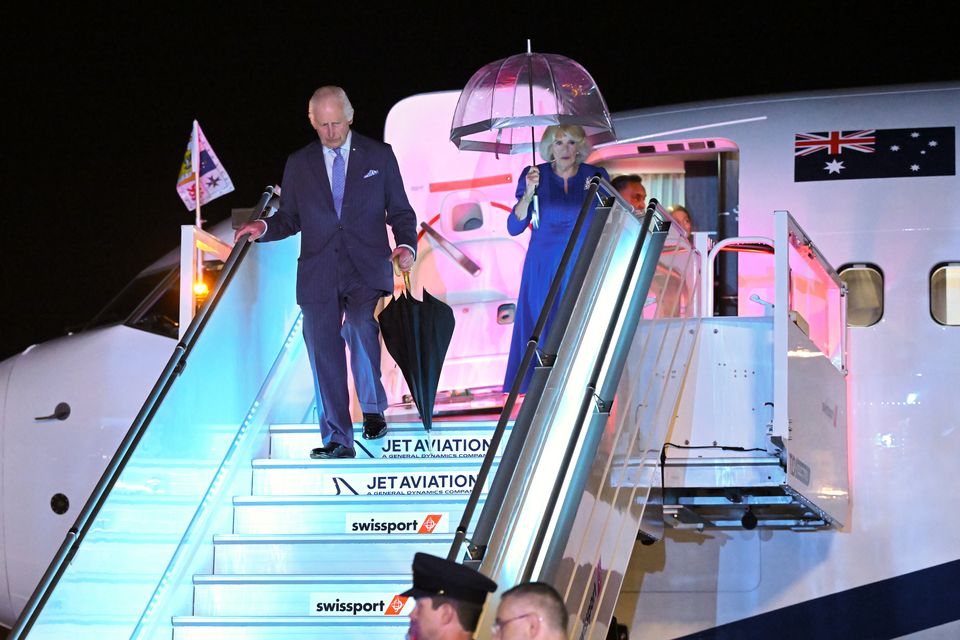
{"points": [[344, 319]]}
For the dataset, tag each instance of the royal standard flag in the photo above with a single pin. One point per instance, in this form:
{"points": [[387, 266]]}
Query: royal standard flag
{"points": [[214, 181]]}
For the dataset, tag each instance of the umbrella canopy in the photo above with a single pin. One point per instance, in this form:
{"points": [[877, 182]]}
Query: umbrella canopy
{"points": [[417, 335], [505, 99]]}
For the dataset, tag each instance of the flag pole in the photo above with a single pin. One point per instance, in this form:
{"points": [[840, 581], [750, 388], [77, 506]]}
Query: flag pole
{"points": [[195, 160], [198, 273]]}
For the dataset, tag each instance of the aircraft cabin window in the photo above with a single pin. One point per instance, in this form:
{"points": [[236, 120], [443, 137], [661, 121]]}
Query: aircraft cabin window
{"points": [[467, 217], [864, 294], [945, 293]]}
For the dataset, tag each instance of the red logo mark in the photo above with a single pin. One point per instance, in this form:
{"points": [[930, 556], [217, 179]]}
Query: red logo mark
{"points": [[430, 523], [396, 605]]}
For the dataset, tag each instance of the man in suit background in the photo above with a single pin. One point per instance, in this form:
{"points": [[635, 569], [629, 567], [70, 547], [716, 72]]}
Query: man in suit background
{"points": [[341, 192]]}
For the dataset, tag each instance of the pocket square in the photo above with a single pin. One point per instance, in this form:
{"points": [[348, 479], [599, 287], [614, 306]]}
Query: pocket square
{"points": [[371, 173]]}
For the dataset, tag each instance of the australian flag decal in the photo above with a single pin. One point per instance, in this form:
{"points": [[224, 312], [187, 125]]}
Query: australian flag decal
{"points": [[874, 153]]}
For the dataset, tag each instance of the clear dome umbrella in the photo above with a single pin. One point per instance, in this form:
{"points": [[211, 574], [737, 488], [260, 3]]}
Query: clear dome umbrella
{"points": [[506, 101], [507, 104]]}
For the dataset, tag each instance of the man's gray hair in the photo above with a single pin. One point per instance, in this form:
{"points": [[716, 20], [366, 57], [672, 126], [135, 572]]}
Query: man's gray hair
{"points": [[324, 93]]}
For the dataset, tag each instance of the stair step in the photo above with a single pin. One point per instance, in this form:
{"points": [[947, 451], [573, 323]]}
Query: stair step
{"points": [[406, 476], [127, 554], [288, 628], [168, 476], [124, 514], [403, 440], [322, 554], [56, 626], [302, 595], [361, 515], [94, 605]]}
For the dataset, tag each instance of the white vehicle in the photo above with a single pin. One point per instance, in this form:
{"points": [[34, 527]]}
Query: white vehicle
{"points": [[869, 175]]}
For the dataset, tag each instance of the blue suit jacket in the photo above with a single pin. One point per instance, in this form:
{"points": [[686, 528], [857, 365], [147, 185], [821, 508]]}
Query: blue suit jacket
{"points": [[373, 198]]}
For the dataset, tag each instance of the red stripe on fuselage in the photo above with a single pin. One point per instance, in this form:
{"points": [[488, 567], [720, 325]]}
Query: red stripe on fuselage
{"points": [[473, 183]]}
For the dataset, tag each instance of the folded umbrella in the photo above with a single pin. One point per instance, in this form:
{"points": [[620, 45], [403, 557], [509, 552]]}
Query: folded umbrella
{"points": [[417, 334]]}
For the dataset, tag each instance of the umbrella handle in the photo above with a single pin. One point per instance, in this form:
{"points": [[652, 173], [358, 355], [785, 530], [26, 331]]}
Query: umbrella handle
{"points": [[405, 274]]}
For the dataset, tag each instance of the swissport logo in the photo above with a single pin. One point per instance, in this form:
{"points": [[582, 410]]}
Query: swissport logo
{"points": [[397, 522], [430, 523], [358, 604], [396, 605]]}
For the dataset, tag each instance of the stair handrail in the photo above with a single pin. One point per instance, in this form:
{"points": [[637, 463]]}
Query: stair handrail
{"points": [[476, 551], [602, 397], [175, 365]]}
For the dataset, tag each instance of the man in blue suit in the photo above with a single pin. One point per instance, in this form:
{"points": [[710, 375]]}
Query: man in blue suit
{"points": [[341, 192]]}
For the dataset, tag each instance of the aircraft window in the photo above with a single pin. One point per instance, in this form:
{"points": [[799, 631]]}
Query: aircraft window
{"points": [[151, 302], [864, 294], [160, 312], [945, 293], [467, 216], [126, 302]]}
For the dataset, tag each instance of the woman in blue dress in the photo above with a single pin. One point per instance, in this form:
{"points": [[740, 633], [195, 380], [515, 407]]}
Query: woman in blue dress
{"points": [[561, 181]]}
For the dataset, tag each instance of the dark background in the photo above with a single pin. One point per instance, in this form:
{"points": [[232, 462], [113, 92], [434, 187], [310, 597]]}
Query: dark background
{"points": [[98, 101]]}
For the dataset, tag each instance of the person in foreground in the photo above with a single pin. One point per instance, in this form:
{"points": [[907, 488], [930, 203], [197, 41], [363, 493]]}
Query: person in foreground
{"points": [[531, 611], [560, 184], [449, 599], [340, 193]]}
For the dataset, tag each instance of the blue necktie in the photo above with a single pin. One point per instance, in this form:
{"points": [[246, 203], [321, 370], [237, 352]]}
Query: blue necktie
{"points": [[339, 180]]}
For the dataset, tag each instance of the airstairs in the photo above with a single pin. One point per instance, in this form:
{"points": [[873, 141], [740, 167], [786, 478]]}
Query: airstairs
{"points": [[322, 548], [212, 521]]}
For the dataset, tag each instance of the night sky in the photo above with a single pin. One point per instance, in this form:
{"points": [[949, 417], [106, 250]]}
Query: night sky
{"points": [[98, 102]]}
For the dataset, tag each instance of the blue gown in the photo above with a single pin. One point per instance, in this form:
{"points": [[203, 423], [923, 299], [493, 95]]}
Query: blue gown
{"points": [[558, 215]]}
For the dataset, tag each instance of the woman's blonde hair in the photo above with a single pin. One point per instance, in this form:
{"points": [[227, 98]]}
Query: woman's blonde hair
{"points": [[576, 133]]}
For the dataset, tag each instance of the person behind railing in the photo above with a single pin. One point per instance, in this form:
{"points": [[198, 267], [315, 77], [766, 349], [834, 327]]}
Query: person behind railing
{"points": [[531, 611], [670, 285], [630, 186], [560, 185], [682, 215], [340, 193], [449, 597]]}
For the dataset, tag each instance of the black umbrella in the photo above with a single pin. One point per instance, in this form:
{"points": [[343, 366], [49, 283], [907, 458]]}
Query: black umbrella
{"points": [[417, 334]]}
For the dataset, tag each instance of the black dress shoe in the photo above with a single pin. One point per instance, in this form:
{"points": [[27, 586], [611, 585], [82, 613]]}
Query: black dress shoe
{"points": [[338, 451], [374, 426], [320, 451]]}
